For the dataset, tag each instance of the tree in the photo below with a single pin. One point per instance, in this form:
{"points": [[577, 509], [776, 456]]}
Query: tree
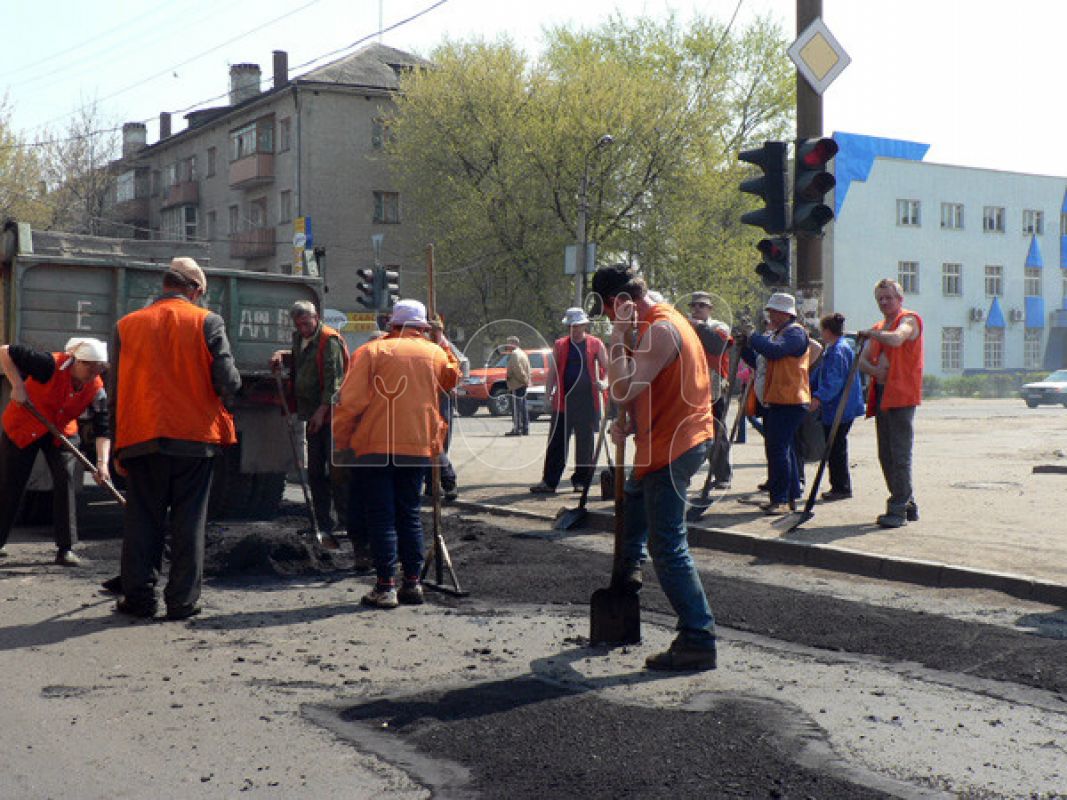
{"points": [[491, 147], [22, 188]]}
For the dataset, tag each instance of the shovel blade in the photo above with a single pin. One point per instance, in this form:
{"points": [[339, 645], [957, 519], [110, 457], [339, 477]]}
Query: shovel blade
{"points": [[614, 617], [792, 520], [568, 518]]}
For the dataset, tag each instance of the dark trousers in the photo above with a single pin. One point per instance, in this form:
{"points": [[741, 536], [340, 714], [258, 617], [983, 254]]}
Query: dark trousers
{"points": [[895, 437], [520, 417], [16, 464], [448, 471], [391, 505], [156, 484], [840, 480], [584, 428], [329, 485], [780, 424], [719, 452]]}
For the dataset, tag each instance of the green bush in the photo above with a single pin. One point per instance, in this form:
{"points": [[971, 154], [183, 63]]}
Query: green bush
{"points": [[992, 384]]}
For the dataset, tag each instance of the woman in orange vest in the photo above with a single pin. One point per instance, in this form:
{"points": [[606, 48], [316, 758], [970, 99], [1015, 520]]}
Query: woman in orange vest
{"points": [[61, 386], [786, 395]]}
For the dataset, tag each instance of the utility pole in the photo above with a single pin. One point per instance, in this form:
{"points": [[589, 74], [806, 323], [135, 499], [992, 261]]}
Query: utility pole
{"points": [[809, 126], [583, 240]]}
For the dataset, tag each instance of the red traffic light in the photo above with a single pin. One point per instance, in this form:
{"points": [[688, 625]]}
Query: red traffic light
{"points": [[772, 249], [816, 153]]}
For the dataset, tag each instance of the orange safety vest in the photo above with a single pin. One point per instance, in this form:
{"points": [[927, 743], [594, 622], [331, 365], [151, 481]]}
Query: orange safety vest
{"points": [[57, 401], [673, 415], [904, 384], [787, 379], [561, 350], [389, 402], [164, 381]]}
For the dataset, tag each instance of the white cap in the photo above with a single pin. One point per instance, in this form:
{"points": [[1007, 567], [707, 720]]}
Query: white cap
{"points": [[784, 302], [85, 349], [409, 312], [575, 316]]}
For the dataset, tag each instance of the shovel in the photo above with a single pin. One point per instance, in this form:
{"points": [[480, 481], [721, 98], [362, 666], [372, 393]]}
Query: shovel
{"points": [[615, 614], [327, 540], [794, 519], [568, 518], [69, 446]]}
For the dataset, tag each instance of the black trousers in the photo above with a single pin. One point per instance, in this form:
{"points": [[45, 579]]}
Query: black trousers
{"points": [[158, 484], [16, 464], [520, 416], [328, 484], [840, 480], [583, 426], [719, 452]]}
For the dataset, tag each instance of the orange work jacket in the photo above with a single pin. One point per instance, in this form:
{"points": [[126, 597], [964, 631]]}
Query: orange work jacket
{"points": [[787, 380], [164, 379], [388, 404], [57, 400], [673, 415], [904, 384]]}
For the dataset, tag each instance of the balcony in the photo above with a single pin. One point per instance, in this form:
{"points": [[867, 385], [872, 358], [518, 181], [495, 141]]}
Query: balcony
{"points": [[254, 170], [132, 212], [254, 243], [186, 193]]}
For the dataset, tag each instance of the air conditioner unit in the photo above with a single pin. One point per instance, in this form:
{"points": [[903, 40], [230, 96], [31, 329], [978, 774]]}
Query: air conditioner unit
{"points": [[1016, 315], [977, 314]]}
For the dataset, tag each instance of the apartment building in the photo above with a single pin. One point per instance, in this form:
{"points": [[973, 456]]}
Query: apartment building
{"points": [[981, 254], [275, 174]]}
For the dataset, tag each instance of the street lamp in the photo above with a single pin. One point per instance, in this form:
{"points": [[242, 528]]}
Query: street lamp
{"points": [[583, 237]]}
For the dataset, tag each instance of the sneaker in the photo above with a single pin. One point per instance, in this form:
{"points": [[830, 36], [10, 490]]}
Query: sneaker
{"points": [[911, 512], [514, 433], [131, 609], [177, 613], [381, 597], [411, 594], [67, 558], [681, 657], [834, 495], [892, 521], [543, 488]]}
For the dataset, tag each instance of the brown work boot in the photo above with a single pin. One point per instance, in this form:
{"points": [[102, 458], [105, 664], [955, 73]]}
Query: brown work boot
{"points": [[683, 657]]}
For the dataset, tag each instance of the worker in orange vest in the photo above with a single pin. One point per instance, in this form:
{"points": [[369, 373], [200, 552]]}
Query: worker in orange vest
{"points": [[173, 372], [894, 359], [388, 417], [61, 386]]}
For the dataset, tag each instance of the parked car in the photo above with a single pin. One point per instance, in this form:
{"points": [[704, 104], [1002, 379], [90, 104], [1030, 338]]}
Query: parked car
{"points": [[1051, 390], [536, 402], [488, 386]]}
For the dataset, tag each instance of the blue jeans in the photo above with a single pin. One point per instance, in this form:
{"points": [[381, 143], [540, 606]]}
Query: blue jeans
{"points": [[655, 514], [780, 425], [391, 508]]}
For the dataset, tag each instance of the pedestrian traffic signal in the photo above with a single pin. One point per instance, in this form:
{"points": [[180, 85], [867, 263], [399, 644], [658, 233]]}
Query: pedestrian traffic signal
{"points": [[774, 268], [390, 287], [367, 288], [771, 158], [811, 182]]}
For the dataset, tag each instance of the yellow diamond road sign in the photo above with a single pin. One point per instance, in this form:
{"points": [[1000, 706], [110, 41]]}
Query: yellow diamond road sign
{"points": [[818, 56]]}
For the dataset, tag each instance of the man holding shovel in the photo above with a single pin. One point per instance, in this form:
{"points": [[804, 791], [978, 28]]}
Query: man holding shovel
{"points": [[662, 381], [60, 387]]}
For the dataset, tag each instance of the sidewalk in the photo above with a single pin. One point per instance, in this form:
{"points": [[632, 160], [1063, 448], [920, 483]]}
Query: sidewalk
{"points": [[986, 519]]}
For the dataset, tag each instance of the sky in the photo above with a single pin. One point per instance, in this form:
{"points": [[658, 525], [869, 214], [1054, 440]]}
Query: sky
{"points": [[976, 80]]}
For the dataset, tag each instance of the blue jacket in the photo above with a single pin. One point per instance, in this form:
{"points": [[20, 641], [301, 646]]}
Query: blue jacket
{"points": [[828, 383]]}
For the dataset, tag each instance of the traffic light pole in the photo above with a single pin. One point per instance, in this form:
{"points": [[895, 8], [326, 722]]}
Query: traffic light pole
{"points": [[809, 125]]}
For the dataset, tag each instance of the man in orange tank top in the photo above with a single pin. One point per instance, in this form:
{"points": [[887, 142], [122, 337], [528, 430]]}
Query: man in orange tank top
{"points": [[894, 360], [664, 389]]}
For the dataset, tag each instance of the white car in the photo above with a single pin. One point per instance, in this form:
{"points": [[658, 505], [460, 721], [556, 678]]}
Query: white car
{"points": [[1052, 390]]}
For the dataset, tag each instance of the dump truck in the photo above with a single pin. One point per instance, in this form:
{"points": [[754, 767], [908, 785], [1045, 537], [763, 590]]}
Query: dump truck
{"points": [[55, 285]]}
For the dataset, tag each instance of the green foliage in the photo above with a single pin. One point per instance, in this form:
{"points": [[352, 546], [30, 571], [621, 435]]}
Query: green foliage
{"points": [[491, 148], [22, 196], [991, 384]]}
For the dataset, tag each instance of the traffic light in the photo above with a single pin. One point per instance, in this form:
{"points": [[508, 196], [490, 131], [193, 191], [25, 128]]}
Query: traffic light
{"points": [[774, 269], [811, 182], [368, 288], [390, 287], [771, 158]]}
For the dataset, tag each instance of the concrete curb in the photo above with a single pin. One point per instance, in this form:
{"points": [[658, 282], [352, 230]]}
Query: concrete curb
{"points": [[836, 559]]}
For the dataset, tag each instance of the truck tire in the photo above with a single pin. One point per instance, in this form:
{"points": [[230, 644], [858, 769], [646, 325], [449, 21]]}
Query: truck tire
{"points": [[499, 401], [242, 495], [467, 408]]}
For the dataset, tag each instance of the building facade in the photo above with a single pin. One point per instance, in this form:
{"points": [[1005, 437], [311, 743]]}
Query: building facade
{"points": [[981, 255], [274, 176]]}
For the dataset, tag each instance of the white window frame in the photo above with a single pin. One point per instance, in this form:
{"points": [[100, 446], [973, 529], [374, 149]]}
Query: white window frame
{"points": [[952, 349], [993, 219], [1033, 221], [952, 216], [1032, 348], [909, 213], [952, 279], [993, 349], [994, 280], [908, 276], [1032, 281]]}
